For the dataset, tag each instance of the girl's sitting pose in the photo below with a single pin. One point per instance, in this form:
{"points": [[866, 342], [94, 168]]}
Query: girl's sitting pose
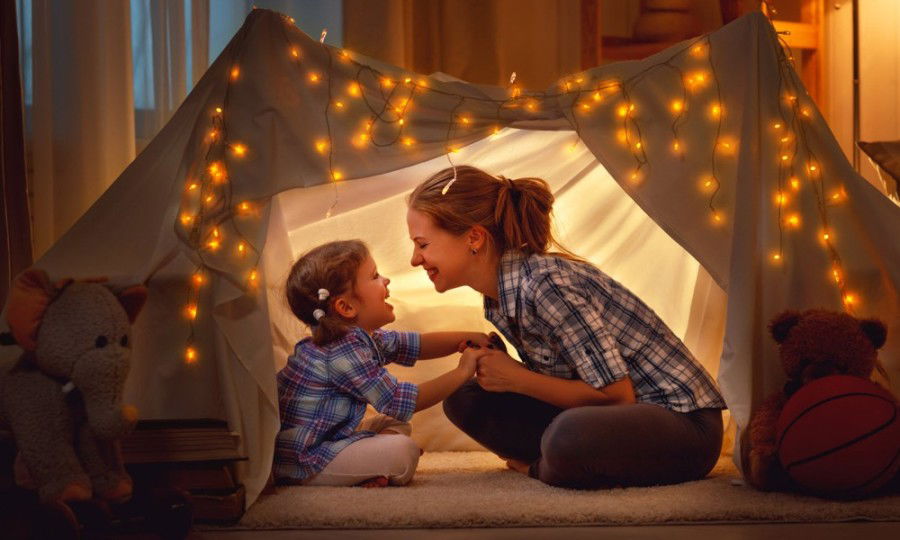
{"points": [[607, 394], [328, 380]]}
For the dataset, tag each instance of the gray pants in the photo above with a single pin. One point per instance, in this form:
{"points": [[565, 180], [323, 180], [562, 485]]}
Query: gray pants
{"points": [[590, 447]]}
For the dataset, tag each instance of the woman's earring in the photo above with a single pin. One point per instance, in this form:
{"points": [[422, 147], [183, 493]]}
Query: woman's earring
{"points": [[474, 251]]}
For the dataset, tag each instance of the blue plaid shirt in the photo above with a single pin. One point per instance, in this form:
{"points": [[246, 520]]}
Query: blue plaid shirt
{"points": [[323, 392], [568, 319]]}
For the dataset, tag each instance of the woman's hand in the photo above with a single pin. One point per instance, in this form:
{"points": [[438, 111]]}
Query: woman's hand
{"points": [[498, 371]]}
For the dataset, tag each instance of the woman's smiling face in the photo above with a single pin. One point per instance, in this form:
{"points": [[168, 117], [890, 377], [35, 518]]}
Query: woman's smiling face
{"points": [[445, 256]]}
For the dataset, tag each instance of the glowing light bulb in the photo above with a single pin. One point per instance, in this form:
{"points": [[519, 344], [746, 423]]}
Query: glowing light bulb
{"points": [[190, 355], [339, 104], [776, 257], [239, 149], [191, 311], [386, 82], [360, 140], [850, 299], [235, 73], [213, 134], [313, 77], [598, 96], [354, 89], [676, 146], [780, 198], [677, 106], [186, 219], [718, 218], [408, 141], [622, 136], [241, 248], [295, 53], [321, 146], [777, 125], [192, 186], [836, 274], [784, 157], [198, 278], [715, 110], [253, 278], [793, 220], [795, 183], [697, 50], [637, 146], [337, 175], [244, 207], [622, 110], [219, 110]]}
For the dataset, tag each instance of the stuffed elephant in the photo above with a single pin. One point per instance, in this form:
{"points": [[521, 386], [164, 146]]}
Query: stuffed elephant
{"points": [[62, 398]]}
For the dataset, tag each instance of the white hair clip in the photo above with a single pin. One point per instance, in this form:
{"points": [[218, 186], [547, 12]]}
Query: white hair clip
{"points": [[318, 314], [323, 294]]}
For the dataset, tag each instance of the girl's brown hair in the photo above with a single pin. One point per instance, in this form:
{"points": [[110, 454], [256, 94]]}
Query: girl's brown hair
{"points": [[333, 267], [516, 212]]}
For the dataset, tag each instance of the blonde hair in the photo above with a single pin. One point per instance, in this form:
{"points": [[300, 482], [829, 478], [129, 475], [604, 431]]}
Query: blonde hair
{"points": [[515, 212], [333, 267]]}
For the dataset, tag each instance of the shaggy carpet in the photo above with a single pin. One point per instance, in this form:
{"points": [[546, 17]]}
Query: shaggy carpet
{"points": [[474, 489]]}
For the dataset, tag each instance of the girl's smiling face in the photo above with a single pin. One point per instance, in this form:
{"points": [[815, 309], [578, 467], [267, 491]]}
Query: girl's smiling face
{"points": [[368, 299], [444, 256]]}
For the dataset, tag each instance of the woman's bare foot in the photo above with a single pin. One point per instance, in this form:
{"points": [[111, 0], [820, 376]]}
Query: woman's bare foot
{"points": [[377, 482], [518, 466]]}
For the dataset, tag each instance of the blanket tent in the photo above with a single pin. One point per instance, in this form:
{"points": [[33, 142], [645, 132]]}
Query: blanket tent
{"points": [[703, 178]]}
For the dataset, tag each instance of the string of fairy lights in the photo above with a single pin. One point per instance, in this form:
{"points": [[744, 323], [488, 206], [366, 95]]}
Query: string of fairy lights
{"points": [[210, 216]]}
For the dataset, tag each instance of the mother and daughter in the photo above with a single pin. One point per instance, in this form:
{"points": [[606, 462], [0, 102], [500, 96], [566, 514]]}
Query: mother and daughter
{"points": [[606, 395]]}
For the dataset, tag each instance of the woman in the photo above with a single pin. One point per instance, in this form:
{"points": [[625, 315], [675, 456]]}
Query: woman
{"points": [[606, 394]]}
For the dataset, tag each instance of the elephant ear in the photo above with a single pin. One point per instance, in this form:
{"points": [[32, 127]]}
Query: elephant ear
{"points": [[875, 331], [29, 297], [133, 299], [781, 325]]}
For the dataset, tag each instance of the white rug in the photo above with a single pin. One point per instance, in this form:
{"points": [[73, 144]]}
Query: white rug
{"points": [[474, 489]]}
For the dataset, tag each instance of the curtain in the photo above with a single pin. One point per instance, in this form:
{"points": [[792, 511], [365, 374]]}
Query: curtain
{"points": [[480, 42], [83, 108], [106, 77], [15, 228]]}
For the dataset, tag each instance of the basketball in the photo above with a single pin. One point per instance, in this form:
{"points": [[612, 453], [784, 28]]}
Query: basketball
{"points": [[839, 436]]}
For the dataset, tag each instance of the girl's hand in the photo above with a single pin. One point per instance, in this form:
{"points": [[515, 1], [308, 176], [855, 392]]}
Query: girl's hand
{"points": [[468, 361], [499, 372], [483, 341]]}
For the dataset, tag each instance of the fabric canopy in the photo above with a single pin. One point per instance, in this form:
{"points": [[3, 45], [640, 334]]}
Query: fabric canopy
{"points": [[756, 180]]}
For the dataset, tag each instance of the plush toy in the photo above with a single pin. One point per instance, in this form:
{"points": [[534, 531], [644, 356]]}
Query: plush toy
{"points": [[812, 345], [62, 398]]}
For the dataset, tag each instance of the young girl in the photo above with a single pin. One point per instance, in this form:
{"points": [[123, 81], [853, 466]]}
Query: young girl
{"points": [[606, 394], [328, 380]]}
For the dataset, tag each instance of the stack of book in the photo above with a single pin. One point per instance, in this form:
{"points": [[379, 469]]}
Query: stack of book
{"points": [[197, 456]]}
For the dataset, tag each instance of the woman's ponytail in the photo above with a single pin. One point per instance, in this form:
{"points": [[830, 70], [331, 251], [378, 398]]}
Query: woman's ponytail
{"points": [[516, 213]]}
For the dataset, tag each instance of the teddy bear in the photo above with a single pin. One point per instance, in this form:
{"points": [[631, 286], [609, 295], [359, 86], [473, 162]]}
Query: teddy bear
{"points": [[812, 344], [62, 397]]}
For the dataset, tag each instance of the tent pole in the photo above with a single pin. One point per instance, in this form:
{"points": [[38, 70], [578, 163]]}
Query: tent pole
{"points": [[856, 85]]}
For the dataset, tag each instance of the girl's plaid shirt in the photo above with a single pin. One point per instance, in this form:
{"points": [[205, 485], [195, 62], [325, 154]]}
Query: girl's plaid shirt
{"points": [[323, 392]]}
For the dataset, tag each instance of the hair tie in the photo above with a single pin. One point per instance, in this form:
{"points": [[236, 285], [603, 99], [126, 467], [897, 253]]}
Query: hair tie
{"points": [[323, 294], [450, 183], [318, 314]]}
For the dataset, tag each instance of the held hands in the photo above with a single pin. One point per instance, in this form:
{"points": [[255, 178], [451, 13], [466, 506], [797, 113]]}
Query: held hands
{"points": [[498, 371], [468, 362], [483, 341]]}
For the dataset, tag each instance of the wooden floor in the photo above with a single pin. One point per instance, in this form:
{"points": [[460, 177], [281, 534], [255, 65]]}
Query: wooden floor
{"points": [[767, 531]]}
